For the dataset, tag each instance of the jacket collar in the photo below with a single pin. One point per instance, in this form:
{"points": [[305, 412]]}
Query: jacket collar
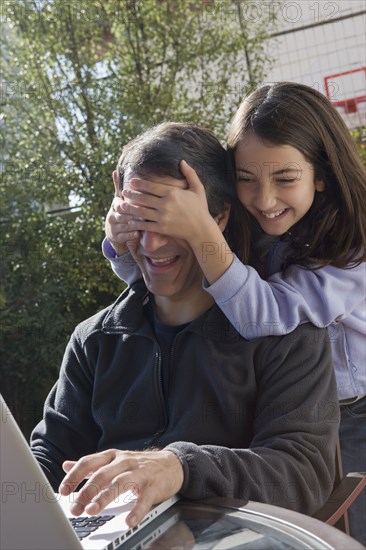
{"points": [[126, 316]]}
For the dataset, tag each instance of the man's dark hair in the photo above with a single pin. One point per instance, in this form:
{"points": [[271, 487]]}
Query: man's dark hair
{"points": [[159, 151]]}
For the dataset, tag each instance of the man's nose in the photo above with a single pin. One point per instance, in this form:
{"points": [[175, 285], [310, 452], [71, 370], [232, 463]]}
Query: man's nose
{"points": [[265, 198], [152, 241]]}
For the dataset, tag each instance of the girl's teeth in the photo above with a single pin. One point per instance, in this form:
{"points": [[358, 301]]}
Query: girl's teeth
{"points": [[160, 261], [273, 214]]}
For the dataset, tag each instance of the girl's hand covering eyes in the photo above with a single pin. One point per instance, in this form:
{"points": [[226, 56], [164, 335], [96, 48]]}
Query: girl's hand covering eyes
{"points": [[167, 208]]}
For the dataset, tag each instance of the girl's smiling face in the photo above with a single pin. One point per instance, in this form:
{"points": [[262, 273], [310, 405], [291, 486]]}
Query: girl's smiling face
{"points": [[275, 183]]}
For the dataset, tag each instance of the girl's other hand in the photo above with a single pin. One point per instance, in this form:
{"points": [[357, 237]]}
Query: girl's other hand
{"points": [[117, 229]]}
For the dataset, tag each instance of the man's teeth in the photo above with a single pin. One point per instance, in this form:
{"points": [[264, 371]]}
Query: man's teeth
{"points": [[162, 261], [273, 214]]}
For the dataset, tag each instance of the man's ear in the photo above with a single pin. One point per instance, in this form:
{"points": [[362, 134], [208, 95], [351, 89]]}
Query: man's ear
{"points": [[222, 218], [117, 192], [319, 185]]}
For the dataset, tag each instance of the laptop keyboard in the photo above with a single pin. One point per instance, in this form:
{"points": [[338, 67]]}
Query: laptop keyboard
{"points": [[85, 525]]}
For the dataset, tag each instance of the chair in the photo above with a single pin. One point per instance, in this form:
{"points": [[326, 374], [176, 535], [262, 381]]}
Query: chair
{"points": [[346, 490]]}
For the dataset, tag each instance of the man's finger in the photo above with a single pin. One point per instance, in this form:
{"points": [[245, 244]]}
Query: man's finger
{"points": [[81, 470], [105, 484], [68, 464], [143, 505], [112, 493]]}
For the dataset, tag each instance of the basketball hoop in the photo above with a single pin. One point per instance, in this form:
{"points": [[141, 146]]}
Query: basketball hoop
{"points": [[346, 89]]}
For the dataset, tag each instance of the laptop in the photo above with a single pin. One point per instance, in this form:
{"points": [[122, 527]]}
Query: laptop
{"points": [[33, 517]]}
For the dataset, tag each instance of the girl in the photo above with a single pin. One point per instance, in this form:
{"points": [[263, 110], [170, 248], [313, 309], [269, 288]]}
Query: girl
{"points": [[301, 249]]}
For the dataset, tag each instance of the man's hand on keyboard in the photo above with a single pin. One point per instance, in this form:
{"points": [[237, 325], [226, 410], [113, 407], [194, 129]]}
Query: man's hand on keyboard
{"points": [[153, 476]]}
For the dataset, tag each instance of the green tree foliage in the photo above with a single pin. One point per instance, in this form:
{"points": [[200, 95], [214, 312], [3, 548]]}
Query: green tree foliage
{"points": [[359, 135], [80, 79]]}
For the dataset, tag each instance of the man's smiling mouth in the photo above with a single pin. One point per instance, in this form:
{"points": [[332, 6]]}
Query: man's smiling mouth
{"points": [[161, 261]]}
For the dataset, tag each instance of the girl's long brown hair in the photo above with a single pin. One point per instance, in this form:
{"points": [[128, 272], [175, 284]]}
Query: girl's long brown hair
{"points": [[333, 232]]}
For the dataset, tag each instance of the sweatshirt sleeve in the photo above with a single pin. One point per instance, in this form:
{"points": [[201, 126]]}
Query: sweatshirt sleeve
{"points": [[290, 461], [256, 307], [67, 430], [123, 266]]}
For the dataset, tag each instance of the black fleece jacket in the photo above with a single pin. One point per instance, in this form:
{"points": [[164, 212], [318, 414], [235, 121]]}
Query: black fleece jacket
{"points": [[251, 420]]}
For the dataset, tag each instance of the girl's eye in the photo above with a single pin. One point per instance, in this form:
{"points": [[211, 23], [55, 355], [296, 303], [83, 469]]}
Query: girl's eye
{"points": [[245, 180], [287, 180]]}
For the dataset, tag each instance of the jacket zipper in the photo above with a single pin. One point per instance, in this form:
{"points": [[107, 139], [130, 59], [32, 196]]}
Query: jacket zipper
{"points": [[156, 438]]}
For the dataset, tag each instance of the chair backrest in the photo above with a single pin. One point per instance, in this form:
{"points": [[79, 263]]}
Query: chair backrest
{"points": [[346, 490]]}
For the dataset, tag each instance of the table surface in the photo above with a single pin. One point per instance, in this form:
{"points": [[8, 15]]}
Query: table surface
{"points": [[225, 524]]}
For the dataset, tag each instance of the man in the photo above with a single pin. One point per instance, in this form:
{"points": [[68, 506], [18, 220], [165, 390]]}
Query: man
{"points": [[158, 393]]}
